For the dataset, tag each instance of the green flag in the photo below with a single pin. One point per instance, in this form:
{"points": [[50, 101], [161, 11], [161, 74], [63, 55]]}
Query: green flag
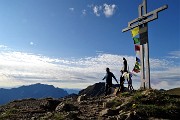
{"points": [[137, 66], [136, 40]]}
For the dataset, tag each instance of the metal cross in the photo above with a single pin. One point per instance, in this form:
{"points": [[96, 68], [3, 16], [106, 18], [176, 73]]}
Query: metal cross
{"points": [[142, 23]]}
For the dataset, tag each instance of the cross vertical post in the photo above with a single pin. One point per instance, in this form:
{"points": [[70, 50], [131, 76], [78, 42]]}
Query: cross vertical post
{"points": [[142, 23], [145, 72], [142, 10]]}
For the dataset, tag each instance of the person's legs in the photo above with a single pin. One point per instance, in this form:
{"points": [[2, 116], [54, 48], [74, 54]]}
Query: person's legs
{"points": [[132, 88], [109, 88], [129, 88], [106, 90], [121, 87]]}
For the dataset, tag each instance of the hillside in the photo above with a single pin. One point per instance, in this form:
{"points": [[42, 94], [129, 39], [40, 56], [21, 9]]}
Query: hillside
{"points": [[32, 91], [95, 90], [139, 105], [175, 91]]}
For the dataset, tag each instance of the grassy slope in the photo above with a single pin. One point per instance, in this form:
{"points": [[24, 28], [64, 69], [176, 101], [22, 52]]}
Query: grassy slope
{"points": [[175, 91]]}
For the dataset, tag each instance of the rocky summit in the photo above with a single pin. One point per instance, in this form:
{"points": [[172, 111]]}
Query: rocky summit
{"points": [[138, 105]]}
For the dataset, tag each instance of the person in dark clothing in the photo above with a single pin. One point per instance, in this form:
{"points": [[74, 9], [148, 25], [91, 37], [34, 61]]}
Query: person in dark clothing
{"points": [[125, 65], [109, 75], [130, 87], [122, 82]]}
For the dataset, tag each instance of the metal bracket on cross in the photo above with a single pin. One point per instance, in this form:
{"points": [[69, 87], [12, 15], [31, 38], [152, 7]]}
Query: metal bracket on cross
{"points": [[144, 18]]}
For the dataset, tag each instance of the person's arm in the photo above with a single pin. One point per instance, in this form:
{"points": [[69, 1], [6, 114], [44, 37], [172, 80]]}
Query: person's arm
{"points": [[114, 77], [104, 77]]}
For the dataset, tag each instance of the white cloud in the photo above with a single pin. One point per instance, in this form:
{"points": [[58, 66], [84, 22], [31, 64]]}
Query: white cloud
{"points": [[109, 10], [174, 54], [71, 9], [3, 46], [84, 12], [96, 10], [18, 68]]}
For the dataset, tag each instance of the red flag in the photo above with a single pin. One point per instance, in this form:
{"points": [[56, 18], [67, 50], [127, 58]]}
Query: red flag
{"points": [[136, 70], [137, 47]]}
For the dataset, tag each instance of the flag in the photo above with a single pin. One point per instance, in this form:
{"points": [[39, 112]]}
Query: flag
{"points": [[137, 60], [136, 70], [137, 47], [136, 40], [135, 31], [137, 66], [143, 29], [137, 53], [143, 38], [143, 35]]}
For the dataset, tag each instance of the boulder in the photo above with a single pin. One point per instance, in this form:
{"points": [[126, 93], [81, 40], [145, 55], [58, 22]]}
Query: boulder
{"points": [[66, 107], [108, 112], [81, 98], [103, 112]]}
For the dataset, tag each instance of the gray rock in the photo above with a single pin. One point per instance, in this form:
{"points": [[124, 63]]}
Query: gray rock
{"points": [[103, 112], [66, 107], [81, 98]]}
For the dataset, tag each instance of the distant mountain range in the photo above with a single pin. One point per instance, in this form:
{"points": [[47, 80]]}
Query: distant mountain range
{"points": [[32, 91], [72, 91]]}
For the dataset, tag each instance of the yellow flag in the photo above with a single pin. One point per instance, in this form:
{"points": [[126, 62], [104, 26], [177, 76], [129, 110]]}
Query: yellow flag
{"points": [[135, 31]]}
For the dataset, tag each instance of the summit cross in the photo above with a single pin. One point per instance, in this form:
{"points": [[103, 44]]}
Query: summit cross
{"points": [[142, 23]]}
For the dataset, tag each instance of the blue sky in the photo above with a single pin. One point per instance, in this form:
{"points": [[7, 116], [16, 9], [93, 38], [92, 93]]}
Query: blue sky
{"points": [[69, 43]]}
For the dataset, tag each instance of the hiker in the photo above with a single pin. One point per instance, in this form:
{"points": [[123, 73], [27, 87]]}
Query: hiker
{"points": [[125, 65], [122, 82], [130, 87], [109, 75]]}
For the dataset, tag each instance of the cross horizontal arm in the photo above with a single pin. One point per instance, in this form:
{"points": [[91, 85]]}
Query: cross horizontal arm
{"points": [[144, 19]]}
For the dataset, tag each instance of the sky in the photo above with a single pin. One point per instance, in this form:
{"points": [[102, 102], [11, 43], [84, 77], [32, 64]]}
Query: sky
{"points": [[69, 43]]}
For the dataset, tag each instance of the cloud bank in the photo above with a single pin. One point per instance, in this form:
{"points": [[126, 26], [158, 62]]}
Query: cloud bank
{"points": [[18, 68]]}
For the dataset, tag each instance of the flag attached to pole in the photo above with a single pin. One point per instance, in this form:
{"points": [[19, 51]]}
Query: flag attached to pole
{"points": [[137, 47], [137, 67], [137, 60], [135, 31], [136, 40]]}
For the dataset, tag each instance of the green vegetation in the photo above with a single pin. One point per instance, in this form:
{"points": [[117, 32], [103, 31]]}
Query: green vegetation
{"points": [[53, 116], [153, 103], [167, 111], [9, 113], [175, 91], [125, 94], [113, 104], [58, 116]]}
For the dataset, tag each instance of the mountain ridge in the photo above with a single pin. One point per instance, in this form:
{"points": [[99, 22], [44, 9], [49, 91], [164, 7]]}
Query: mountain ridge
{"points": [[37, 90]]}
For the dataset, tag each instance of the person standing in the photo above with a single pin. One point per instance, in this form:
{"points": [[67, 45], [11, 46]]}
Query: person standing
{"points": [[125, 65], [109, 75], [122, 82], [130, 87]]}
